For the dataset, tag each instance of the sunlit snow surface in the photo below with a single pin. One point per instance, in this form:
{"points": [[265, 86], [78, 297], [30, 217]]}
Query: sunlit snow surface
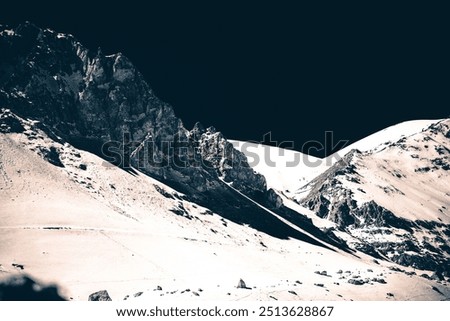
{"points": [[95, 227]]}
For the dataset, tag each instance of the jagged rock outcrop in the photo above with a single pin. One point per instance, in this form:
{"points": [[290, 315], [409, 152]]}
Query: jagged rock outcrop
{"points": [[89, 99], [342, 209], [231, 165]]}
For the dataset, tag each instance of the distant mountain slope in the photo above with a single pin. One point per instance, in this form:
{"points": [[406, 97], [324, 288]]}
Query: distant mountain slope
{"points": [[287, 170], [395, 200], [388, 135]]}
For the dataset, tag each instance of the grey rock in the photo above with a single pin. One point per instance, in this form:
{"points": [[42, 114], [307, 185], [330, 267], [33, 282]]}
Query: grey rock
{"points": [[242, 285], [356, 281], [100, 296], [379, 280]]}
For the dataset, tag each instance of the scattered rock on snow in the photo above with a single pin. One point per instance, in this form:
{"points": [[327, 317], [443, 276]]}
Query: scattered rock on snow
{"points": [[356, 281], [324, 273], [18, 266], [379, 280], [242, 285], [138, 294], [100, 296]]}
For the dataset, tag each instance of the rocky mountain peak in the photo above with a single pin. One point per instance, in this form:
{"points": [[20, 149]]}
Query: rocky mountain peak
{"points": [[90, 99]]}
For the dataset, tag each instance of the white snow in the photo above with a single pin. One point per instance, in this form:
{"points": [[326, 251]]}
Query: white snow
{"points": [[388, 135], [8, 32], [285, 170], [104, 228]]}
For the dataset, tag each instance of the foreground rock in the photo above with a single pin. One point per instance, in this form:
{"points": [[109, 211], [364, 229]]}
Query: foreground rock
{"points": [[23, 288]]}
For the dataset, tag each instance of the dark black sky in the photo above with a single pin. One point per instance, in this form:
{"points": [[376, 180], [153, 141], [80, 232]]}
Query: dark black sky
{"points": [[296, 71]]}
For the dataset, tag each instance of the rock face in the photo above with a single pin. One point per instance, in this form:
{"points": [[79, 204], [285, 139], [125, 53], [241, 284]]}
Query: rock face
{"points": [[393, 200], [230, 164], [90, 99]]}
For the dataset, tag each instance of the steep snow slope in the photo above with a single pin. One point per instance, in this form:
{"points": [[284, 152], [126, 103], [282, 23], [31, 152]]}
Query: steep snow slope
{"points": [[88, 226], [386, 136], [285, 170]]}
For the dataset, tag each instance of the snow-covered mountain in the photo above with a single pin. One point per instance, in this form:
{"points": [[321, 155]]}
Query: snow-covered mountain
{"points": [[102, 187], [393, 200], [287, 170], [387, 195]]}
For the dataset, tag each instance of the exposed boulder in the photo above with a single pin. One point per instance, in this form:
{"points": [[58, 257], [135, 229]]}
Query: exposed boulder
{"points": [[100, 296], [242, 285], [356, 281]]}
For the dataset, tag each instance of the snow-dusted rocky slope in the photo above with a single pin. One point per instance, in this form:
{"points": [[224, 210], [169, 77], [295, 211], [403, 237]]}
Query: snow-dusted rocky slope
{"points": [[393, 200], [288, 170]]}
